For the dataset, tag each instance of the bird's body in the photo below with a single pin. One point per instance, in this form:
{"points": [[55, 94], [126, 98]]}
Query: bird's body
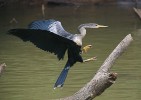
{"points": [[49, 35]]}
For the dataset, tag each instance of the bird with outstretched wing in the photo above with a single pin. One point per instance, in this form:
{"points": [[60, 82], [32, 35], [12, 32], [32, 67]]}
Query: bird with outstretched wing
{"points": [[49, 35]]}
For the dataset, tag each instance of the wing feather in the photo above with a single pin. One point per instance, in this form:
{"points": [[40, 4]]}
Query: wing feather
{"points": [[49, 35], [52, 26], [44, 40]]}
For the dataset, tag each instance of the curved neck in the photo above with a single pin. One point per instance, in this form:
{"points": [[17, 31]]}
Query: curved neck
{"points": [[82, 31]]}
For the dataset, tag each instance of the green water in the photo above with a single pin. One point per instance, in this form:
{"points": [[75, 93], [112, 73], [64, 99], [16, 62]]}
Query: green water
{"points": [[31, 73]]}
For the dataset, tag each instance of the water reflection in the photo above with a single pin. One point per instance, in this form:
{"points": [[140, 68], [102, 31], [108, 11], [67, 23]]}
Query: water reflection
{"points": [[30, 73]]}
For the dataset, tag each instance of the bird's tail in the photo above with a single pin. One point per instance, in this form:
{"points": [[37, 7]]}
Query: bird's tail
{"points": [[62, 77]]}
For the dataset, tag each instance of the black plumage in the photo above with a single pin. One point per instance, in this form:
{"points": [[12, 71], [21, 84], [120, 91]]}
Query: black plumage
{"points": [[50, 36]]}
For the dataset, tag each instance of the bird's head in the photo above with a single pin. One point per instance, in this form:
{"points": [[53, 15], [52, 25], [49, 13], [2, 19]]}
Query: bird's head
{"points": [[82, 28], [93, 25]]}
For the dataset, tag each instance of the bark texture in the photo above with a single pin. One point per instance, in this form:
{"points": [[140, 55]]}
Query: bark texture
{"points": [[103, 78]]}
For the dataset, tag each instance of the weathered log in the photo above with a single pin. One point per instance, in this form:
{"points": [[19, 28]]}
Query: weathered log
{"points": [[103, 78], [2, 67]]}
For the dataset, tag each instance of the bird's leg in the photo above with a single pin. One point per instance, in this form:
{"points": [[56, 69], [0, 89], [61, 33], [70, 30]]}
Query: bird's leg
{"points": [[90, 59], [86, 48]]}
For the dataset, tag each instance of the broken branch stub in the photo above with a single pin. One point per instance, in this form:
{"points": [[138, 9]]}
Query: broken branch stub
{"points": [[2, 67]]}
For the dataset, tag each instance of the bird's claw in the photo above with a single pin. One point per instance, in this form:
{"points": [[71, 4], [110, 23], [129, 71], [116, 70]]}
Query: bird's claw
{"points": [[91, 59], [86, 48], [94, 58]]}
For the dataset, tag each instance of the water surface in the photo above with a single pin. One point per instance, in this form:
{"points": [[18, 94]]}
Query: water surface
{"points": [[31, 73]]}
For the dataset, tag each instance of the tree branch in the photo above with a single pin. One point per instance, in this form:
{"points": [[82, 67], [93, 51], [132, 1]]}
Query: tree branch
{"points": [[2, 67], [138, 12], [103, 78]]}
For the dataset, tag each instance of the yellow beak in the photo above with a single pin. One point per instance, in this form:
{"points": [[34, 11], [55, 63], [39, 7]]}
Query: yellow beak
{"points": [[98, 26]]}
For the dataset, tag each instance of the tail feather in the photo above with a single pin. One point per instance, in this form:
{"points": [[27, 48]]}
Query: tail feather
{"points": [[62, 77]]}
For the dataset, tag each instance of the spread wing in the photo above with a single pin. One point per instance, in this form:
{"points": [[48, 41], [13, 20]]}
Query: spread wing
{"points": [[47, 35], [45, 40], [52, 26]]}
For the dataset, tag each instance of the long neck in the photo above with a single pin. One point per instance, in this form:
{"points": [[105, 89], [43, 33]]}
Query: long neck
{"points": [[82, 31]]}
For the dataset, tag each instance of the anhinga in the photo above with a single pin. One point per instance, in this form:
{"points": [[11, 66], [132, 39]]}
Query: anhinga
{"points": [[49, 35]]}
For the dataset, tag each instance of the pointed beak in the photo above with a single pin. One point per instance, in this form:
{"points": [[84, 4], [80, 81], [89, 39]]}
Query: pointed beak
{"points": [[101, 26]]}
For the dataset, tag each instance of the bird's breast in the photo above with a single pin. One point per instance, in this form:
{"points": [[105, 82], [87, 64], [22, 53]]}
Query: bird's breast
{"points": [[78, 41]]}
